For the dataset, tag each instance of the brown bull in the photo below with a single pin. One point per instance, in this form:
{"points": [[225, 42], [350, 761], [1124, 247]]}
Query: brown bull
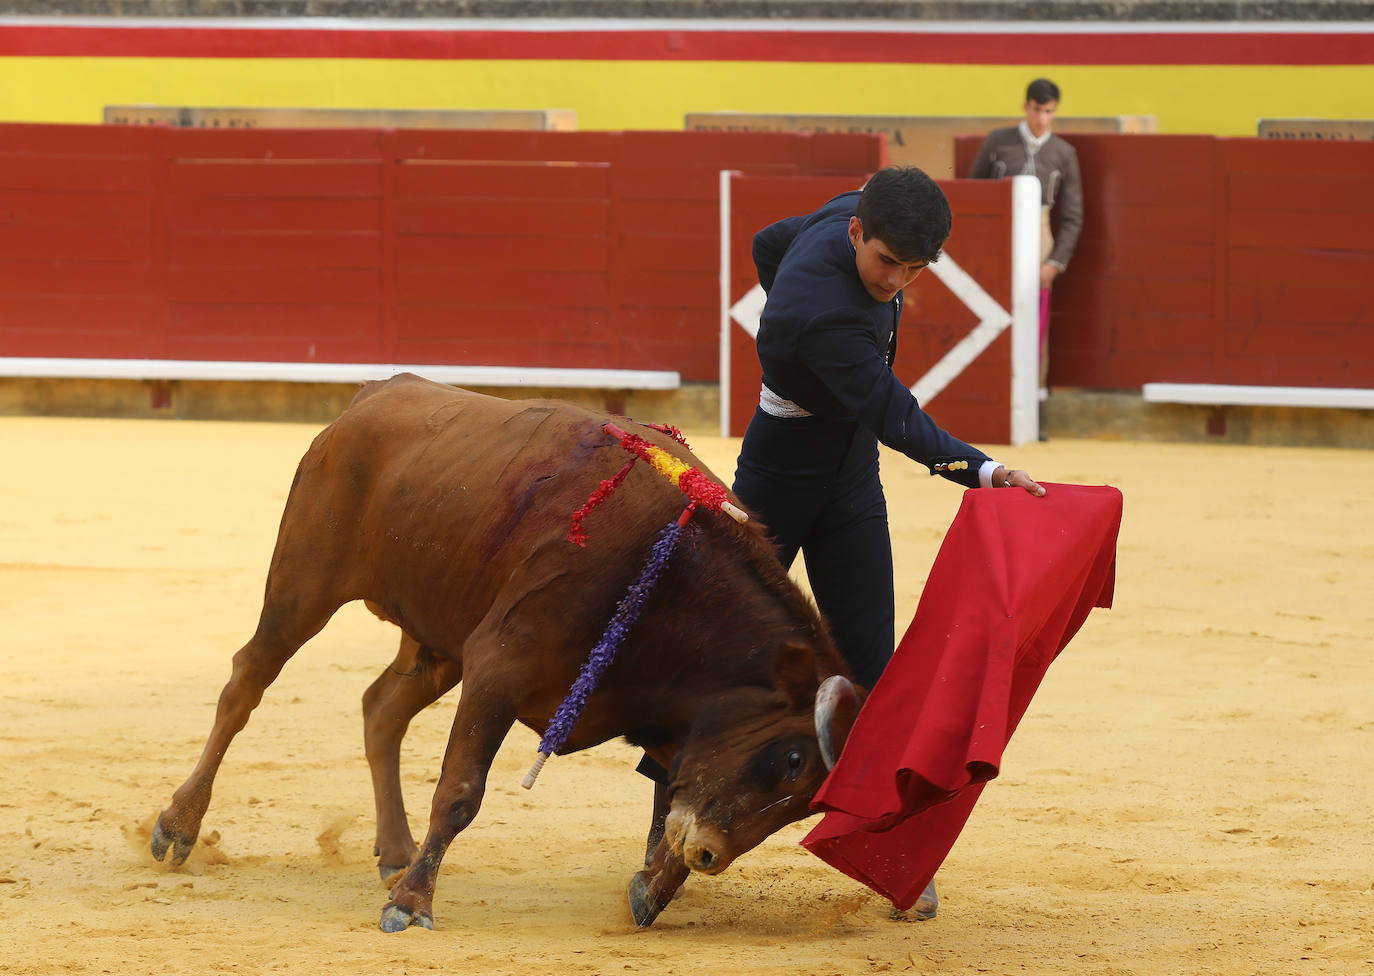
{"points": [[448, 512]]}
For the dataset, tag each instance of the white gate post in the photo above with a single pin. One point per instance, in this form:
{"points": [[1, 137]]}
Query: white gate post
{"points": [[1025, 309]]}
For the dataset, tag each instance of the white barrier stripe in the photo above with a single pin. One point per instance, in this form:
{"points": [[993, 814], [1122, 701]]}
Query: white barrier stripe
{"points": [[1259, 396], [992, 320], [174, 369], [724, 384]]}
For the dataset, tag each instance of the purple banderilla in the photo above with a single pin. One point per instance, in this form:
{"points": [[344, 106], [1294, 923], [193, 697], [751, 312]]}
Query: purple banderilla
{"points": [[628, 611]]}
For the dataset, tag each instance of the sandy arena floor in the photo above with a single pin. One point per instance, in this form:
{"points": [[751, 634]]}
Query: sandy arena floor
{"points": [[1191, 791]]}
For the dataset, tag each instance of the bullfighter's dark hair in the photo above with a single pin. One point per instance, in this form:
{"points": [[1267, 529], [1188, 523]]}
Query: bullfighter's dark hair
{"points": [[907, 211], [1042, 90]]}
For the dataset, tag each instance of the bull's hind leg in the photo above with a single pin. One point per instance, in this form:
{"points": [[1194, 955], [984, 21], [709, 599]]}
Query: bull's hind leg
{"points": [[288, 620], [486, 711], [414, 681]]}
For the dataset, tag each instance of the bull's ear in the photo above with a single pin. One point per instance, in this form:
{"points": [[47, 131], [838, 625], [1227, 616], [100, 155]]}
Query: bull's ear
{"points": [[794, 670]]}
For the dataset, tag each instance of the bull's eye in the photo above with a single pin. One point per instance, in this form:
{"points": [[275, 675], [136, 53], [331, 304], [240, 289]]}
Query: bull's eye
{"points": [[783, 761]]}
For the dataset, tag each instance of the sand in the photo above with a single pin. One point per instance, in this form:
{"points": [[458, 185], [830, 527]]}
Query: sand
{"points": [[1190, 791]]}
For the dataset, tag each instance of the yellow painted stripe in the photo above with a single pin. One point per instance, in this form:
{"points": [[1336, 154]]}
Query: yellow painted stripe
{"points": [[608, 95]]}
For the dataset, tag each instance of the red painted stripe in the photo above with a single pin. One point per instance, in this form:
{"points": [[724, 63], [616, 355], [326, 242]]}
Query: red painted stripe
{"points": [[1097, 48]]}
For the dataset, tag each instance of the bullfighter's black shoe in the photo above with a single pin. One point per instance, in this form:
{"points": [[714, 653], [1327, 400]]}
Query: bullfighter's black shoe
{"points": [[924, 910]]}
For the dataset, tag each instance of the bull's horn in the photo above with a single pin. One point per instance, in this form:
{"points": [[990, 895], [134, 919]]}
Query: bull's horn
{"points": [[837, 706]]}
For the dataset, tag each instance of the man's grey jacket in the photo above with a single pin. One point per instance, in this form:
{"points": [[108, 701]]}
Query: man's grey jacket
{"points": [[1003, 153]]}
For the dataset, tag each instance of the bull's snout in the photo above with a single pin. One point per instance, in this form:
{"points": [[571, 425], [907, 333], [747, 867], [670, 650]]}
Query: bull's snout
{"points": [[701, 856], [699, 845], [701, 859]]}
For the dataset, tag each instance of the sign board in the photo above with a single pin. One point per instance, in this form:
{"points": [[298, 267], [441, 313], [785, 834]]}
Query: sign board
{"points": [[1326, 130], [257, 117], [926, 141]]}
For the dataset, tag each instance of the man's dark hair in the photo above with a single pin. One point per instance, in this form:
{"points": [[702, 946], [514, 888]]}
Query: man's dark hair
{"points": [[1042, 90], [907, 211]]}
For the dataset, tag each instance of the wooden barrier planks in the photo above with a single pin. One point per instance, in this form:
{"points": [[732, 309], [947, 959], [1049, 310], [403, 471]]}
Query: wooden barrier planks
{"points": [[1218, 261], [364, 246]]}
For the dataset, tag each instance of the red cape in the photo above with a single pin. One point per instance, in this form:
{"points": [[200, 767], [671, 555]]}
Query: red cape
{"points": [[1013, 582]]}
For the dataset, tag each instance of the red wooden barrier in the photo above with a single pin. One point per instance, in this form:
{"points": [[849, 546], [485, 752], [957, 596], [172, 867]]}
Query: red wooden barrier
{"points": [[80, 251], [1208, 260], [976, 405], [483, 248]]}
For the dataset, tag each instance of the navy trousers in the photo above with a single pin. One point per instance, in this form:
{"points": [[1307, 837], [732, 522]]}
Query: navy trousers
{"points": [[814, 483]]}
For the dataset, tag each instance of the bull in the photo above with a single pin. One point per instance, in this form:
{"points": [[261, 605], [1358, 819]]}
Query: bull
{"points": [[447, 512]]}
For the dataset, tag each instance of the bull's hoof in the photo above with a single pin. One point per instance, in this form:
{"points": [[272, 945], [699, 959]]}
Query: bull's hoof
{"points": [[162, 841], [643, 905], [397, 919]]}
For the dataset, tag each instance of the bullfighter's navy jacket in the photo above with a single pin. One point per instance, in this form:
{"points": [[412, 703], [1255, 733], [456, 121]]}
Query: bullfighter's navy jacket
{"points": [[827, 346]]}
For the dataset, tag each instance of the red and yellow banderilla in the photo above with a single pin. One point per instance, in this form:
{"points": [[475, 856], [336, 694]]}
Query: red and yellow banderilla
{"points": [[699, 489]]}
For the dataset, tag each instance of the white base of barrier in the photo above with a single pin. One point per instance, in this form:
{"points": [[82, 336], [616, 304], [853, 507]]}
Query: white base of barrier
{"points": [[1217, 394], [170, 369]]}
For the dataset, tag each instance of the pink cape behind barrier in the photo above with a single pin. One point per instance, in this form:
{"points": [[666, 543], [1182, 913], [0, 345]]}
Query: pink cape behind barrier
{"points": [[1014, 580]]}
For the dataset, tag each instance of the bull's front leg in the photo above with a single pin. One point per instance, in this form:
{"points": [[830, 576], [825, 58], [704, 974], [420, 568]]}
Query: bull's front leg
{"points": [[484, 717], [652, 888]]}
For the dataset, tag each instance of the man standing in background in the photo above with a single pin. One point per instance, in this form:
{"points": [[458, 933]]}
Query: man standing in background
{"points": [[1030, 148]]}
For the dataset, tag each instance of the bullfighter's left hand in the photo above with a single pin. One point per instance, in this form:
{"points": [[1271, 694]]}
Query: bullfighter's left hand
{"points": [[1016, 478]]}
